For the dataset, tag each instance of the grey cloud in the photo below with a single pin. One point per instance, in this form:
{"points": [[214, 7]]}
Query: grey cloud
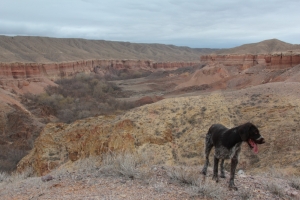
{"points": [[194, 23]]}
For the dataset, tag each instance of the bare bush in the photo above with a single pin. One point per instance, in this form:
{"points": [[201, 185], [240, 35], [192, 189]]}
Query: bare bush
{"points": [[183, 174], [79, 97], [206, 190], [245, 194], [294, 182], [123, 164], [88, 164], [275, 189], [274, 172], [3, 176], [16, 176]]}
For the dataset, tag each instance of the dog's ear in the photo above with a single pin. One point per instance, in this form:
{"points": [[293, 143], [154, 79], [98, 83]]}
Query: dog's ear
{"points": [[244, 131]]}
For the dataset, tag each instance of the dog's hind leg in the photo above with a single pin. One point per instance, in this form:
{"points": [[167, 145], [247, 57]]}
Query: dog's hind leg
{"points": [[216, 165], [234, 162], [222, 169], [208, 146]]}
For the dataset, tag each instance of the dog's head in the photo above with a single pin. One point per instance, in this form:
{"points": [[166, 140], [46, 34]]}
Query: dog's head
{"points": [[250, 134]]}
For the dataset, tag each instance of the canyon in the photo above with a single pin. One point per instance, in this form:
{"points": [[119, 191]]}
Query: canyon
{"points": [[184, 97], [176, 138]]}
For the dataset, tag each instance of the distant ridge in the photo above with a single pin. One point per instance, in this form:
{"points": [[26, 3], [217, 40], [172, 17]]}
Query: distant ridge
{"points": [[263, 47], [44, 49]]}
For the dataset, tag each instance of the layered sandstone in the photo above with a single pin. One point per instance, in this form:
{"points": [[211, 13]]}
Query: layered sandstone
{"points": [[244, 61], [55, 70]]}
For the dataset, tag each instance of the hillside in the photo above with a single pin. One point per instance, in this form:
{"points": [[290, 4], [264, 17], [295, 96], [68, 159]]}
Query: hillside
{"points": [[263, 47], [43, 49], [174, 129], [169, 135]]}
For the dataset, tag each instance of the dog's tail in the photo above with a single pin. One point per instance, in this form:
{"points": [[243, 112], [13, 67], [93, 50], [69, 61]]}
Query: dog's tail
{"points": [[208, 138]]}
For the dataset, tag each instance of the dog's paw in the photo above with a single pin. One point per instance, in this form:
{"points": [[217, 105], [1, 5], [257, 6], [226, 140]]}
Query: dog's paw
{"points": [[203, 172], [222, 176], [216, 178], [232, 186]]}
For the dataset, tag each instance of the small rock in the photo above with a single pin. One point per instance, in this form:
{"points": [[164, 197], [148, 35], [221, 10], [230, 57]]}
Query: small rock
{"points": [[294, 193], [47, 177], [241, 172], [123, 195]]}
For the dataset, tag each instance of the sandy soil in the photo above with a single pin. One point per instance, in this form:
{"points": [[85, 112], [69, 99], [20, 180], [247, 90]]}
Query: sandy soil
{"points": [[92, 184]]}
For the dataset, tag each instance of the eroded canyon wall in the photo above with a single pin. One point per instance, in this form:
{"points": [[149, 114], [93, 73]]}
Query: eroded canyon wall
{"points": [[57, 70], [271, 61]]}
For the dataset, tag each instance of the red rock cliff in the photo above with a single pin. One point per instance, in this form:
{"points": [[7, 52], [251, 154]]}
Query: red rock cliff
{"points": [[55, 70], [271, 61]]}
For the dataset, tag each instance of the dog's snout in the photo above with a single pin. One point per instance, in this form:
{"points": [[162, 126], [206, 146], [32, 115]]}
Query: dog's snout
{"points": [[261, 140]]}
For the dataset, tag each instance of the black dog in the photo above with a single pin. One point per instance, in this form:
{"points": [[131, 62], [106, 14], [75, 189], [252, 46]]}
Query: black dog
{"points": [[227, 143]]}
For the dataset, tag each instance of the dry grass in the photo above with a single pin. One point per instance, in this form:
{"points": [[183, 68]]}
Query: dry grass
{"points": [[206, 190], [275, 173], [14, 177], [129, 170], [275, 189], [245, 194], [124, 164], [3, 176], [183, 174], [196, 187], [88, 164], [294, 182]]}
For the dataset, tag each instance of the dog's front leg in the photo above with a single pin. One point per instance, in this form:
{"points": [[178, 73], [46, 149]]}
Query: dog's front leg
{"points": [[216, 164], [222, 169], [234, 162]]}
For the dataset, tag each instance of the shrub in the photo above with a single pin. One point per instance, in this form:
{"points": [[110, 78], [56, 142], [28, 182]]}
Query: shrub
{"points": [[206, 190], [275, 189], [3, 176], [183, 175], [123, 164], [294, 182], [79, 97]]}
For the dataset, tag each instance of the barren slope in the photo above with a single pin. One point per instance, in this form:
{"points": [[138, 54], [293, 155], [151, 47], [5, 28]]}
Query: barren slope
{"points": [[174, 129], [43, 49], [263, 47]]}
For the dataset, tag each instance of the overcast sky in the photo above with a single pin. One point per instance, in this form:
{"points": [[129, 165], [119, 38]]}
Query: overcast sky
{"points": [[193, 23]]}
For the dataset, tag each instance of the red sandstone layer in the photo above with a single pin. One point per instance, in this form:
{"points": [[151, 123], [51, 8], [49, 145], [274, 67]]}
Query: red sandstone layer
{"points": [[54, 70], [271, 61]]}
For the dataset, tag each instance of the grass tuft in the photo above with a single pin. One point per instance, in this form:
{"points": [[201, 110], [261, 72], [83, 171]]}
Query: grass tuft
{"points": [[294, 182], [245, 194], [182, 174], [124, 164], [206, 190], [275, 189]]}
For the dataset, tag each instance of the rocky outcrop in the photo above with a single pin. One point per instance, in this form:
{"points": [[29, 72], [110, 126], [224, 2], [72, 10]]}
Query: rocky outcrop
{"points": [[271, 61], [172, 131], [57, 70]]}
